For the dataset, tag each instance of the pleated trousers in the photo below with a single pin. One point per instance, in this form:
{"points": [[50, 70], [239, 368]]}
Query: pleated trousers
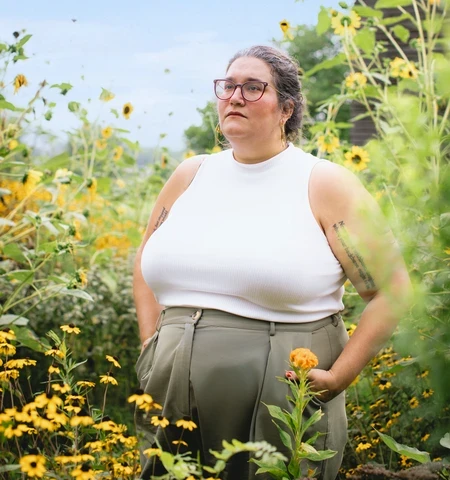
{"points": [[219, 370]]}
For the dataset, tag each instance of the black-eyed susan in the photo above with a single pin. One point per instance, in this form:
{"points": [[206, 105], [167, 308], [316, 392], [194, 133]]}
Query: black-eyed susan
{"points": [[57, 417], [7, 349], [363, 446], [328, 142], [384, 384], [7, 375], [127, 110], [20, 363], [186, 423], [180, 442], [83, 472], [19, 82], [286, 29], [402, 68], [33, 465], [427, 393], [425, 437], [53, 369], [344, 24], [356, 80], [357, 158], [54, 352], [413, 403], [10, 431], [70, 328], [152, 452], [107, 425], [106, 132], [117, 153], [114, 360], [108, 379], [159, 421], [140, 397], [83, 418], [85, 384], [64, 388], [6, 335]]}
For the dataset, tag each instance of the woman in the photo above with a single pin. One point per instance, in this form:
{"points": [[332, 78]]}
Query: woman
{"points": [[250, 263]]}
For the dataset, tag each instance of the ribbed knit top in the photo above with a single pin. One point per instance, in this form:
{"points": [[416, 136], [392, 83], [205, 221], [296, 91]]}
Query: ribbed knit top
{"points": [[242, 238]]}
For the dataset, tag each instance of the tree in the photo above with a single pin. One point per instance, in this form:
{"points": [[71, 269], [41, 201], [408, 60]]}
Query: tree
{"points": [[203, 138]]}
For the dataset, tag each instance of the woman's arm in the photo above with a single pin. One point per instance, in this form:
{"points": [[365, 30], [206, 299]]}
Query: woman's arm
{"points": [[360, 239], [147, 308]]}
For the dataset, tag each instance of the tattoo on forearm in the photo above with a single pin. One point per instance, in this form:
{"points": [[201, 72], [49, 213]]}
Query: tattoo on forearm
{"points": [[353, 255], [162, 217]]}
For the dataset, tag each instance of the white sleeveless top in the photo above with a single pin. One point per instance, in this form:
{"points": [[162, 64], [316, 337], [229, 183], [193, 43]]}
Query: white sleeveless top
{"points": [[242, 238]]}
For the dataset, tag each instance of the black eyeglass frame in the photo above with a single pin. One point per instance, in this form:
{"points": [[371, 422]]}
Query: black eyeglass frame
{"points": [[265, 85]]}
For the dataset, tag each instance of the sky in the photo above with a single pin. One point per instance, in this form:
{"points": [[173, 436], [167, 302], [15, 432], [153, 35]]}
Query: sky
{"points": [[159, 55]]}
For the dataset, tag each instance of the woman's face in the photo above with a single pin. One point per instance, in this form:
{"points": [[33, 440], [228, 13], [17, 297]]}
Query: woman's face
{"points": [[241, 119]]}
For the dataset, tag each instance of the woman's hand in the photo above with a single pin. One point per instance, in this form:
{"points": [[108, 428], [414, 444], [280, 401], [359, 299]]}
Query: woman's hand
{"points": [[320, 380]]}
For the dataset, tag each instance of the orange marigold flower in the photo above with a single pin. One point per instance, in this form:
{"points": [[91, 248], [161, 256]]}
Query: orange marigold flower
{"points": [[303, 358]]}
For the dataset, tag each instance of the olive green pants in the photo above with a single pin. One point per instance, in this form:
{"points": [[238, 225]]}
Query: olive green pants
{"points": [[219, 370]]}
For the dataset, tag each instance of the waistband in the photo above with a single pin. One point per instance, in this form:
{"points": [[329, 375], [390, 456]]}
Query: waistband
{"points": [[203, 317]]}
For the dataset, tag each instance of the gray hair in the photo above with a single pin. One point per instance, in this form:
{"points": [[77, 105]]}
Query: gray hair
{"points": [[284, 70]]}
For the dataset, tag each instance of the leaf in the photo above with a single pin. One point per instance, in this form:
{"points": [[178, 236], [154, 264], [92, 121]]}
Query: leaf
{"points": [[59, 161], [73, 292], [48, 115], [9, 468], [365, 39], [326, 64], [323, 21], [9, 319], [4, 105], [392, 20], [367, 11], [29, 339], [115, 112], [445, 440], [167, 460], [314, 418], [392, 3], [63, 87], [401, 33], [23, 41], [73, 106], [106, 95], [277, 412], [410, 452], [14, 252], [24, 276], [285, 437]]}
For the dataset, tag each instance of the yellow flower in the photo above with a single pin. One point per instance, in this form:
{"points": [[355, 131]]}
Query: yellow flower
{"points": [[343, 23], [303, 358], [159, 421], [13, 144], [447, 251], [6, 335], [286, 29], [62, 175], [127, 109], [106, 132], [189, 154], [83, 472], [31, 179], [356, 80], [404, 461], [402, 68], [19, 82], [427, 393], [6, 375], [357, 158], [425, 437], [108, 379], [113, 360], [120, 183], [7, 349], [84, 383], [329, 143], [384, 385], [432, 2], [100, 144], [151, 452], [414, 403], [84, 420], [117, 153], [57, 387], [33, 465], [186, 423], [363, 446], [82, 279], [140, 397], [216, 149], [179, 442], [19, 363], [54, 352], [70, 328]]}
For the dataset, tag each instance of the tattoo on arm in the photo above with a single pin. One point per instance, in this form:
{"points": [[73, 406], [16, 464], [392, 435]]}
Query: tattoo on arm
{"points": [[162, 217], [353, 255]]}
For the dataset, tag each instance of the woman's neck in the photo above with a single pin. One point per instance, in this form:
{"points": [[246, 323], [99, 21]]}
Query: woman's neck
{"points": [[248, 153]]}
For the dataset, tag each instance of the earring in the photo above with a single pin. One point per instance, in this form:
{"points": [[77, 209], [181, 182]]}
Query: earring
{"points": [[218, 130], [283, 133]]}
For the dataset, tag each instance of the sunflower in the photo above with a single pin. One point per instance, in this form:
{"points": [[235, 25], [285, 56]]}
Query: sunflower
{"points": [[186, 423], [328, 143], [13, 144], [19, 82], [33, 465], [356, 80], [159, 421], [357, 158], [106, 132], [70, 328], [100, 144], [346, 23], [114, 360], [286, 29], [303, 358], [402, 68], [127, 109], [117, 153]]}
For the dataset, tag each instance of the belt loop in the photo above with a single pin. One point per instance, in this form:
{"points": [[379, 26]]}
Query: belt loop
{"points": [[335, 318], [197, 315], [272, 329], [160, 320]]}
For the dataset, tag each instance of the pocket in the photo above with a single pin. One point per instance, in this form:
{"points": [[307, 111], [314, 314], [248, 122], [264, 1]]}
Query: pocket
{"points": [[145, 360]]}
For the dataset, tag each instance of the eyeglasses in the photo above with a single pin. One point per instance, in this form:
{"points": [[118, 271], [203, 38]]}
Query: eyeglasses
{"points": [[251, 91]]}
